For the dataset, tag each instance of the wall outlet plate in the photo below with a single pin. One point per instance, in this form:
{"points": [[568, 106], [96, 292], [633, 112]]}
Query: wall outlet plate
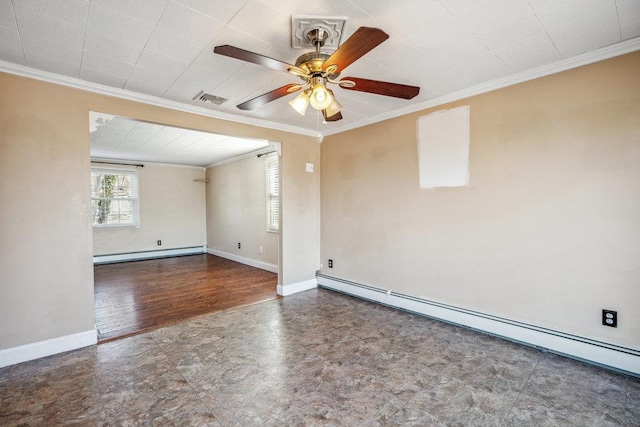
{"points": [[610, 318]]}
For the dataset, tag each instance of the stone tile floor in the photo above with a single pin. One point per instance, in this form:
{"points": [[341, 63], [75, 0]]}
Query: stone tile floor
{"points": [[315, 358]]}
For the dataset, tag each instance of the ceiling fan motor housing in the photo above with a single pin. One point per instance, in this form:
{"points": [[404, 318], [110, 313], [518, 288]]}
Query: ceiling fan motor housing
{"points": [[312, 62]]}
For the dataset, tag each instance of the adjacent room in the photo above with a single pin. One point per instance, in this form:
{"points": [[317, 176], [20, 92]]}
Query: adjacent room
{"points": [[206, 218], [160, 191]]}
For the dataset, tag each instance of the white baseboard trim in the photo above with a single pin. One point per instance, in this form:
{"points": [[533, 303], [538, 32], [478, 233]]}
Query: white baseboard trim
{"points": [[242, 260], [36, 350], [294, 288], [609, 355], [138, 256]]}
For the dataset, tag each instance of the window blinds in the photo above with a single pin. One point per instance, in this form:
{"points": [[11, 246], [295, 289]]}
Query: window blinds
{"points": [[273, 193]]}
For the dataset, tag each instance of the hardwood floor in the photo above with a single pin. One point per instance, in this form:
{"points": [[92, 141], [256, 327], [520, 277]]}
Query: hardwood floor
{"points": [[139, 296]]}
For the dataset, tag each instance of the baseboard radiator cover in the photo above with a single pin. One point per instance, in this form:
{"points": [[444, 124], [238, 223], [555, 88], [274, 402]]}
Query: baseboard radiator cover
{"points": [[36, 350], [142, 255], [612, 356]]}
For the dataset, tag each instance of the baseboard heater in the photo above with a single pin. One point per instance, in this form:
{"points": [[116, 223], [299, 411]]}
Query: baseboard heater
{"points": [[142, 255], [612, 356]]}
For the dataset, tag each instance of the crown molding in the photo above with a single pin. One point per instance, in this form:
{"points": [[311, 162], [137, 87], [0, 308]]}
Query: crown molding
{"points": [[587, 58], [72, 82]]}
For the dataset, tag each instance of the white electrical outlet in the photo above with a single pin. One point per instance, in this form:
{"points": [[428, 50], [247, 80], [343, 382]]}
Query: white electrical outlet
{"points": [[261, 249], [309, 167]]}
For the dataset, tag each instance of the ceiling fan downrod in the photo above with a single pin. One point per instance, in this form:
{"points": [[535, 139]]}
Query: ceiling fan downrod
{"points": [[317, 35], [312, 62]]}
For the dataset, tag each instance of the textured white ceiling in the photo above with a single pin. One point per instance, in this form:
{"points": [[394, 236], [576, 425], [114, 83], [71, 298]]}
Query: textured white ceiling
{"points": [[121, 138], [164, 48]]}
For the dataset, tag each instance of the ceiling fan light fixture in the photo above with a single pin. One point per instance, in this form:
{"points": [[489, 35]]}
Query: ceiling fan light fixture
{"points": [[301, 102], [333, 108], [320, 97]]}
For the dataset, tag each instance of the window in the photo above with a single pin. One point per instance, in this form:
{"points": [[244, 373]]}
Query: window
{"points": [[273, 193], [114, 197]]}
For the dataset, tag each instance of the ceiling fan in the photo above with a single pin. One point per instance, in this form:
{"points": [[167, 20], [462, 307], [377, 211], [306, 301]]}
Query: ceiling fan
{"points": [[317, 69]]}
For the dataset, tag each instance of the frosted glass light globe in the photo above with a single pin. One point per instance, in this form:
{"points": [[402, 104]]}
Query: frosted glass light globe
{"points": [[320, 97]]}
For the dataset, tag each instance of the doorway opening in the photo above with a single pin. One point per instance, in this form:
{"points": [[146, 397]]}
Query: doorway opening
{"points": [[160, 192]]}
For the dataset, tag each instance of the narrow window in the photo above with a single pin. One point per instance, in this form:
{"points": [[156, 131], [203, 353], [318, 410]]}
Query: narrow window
{"points": [[114, 198], [273, 193]]}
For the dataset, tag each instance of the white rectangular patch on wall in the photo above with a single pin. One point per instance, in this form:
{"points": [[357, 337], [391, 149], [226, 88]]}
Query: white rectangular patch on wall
{"points": [[443, 148]]}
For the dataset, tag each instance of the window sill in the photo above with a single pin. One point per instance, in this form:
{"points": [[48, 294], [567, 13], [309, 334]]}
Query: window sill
{"points": [[114, 227]]}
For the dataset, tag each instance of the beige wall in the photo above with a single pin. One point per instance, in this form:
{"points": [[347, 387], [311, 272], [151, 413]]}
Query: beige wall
{"points": [[547, 232], [172, 209], [299, 200], [46, 274], [236, 210]]}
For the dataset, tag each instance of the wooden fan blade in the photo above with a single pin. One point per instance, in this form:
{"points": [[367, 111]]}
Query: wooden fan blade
{"points": [[383, 88], [361, 42], [245, 55], [259, 101], [334, 118]]}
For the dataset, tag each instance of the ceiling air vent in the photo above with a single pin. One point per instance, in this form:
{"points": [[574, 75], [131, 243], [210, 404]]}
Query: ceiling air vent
{"points": [[209, 98]]}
